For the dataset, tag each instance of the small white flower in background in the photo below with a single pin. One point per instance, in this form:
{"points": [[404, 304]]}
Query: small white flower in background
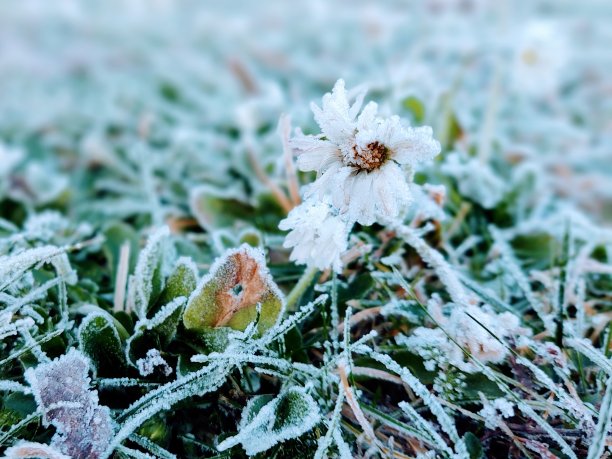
{"points": [[364, 162], [317, 236], [540, 58]]}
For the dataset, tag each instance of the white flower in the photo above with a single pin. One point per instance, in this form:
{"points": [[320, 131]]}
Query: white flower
{"points": [[540, 59], [317, 236], [364, 162]]}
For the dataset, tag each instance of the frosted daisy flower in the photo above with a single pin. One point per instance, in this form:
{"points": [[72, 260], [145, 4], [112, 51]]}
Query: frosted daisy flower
{"points": [[317, 236], [364, 162], [540, 58]]}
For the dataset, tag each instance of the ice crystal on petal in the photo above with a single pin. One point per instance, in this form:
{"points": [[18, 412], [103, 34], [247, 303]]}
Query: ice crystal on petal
{"points": [[317, 236], [364, 162], [61, 390]]}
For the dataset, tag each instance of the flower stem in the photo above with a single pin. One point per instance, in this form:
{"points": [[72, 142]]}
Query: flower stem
{"points": [[300, 287]]}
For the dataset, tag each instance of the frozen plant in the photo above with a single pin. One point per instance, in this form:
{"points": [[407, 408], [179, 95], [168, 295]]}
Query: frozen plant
{"points": [[467, 329], [61, 390], [475, 179], [229, 296], [151, 361], [317, 236], [495, 411], [263, 425], [364, 162]]}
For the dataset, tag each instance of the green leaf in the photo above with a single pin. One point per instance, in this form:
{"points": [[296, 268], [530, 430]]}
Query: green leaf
{"points": [[181, 282], [473, 445], [237, 283], [146, 283], [215, 208], [415, 107], [267, 423], [99, 339], [155, 333]]}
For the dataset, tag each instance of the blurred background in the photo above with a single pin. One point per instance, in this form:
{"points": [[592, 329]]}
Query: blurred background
{"points": [[122, 107]]}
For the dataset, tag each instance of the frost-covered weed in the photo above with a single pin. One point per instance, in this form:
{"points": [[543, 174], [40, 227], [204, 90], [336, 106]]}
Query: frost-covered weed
{"points": [[65, 400], [454, 228]]}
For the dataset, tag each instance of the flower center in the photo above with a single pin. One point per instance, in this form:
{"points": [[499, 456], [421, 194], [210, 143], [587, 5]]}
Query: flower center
{"points": [[370, 158]]}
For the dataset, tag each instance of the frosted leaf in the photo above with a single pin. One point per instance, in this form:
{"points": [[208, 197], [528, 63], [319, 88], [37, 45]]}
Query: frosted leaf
{"points": [[264, 425], [216, 208], [429, 201], [13, 266], [181, 282], [157, 332], [64, 270], [146, 283], [100, 341], [43, 187], [61, 390], [43, 226], [9, 159], [228, 296], [27, 449], [13, 386], [151, 361]]}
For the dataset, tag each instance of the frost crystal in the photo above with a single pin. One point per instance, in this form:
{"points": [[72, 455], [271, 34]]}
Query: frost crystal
{"points": [[365, 162], [494, 411], [153, 359], [468, 328], [317, 236], [61, 390]]}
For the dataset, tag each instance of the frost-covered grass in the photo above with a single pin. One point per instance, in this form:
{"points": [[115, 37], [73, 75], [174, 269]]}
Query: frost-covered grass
{"points": [[305, 229]]}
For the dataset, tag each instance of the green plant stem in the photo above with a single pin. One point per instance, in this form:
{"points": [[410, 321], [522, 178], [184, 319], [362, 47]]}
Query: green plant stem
{"points": [[300, 287]]}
